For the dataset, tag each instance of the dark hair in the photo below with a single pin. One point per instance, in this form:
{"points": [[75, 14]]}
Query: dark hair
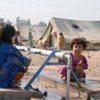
{"points": [[79, 41], [7, 33], [41, 38], [61, 33], [30, 33]]}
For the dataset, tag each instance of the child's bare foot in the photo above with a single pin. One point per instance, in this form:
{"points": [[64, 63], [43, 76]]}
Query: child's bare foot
{"points": [[64, 79]]}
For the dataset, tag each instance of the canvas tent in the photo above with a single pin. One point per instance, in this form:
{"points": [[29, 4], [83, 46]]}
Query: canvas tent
{"points": [[24, 31], [37, 32], [72, 29]]}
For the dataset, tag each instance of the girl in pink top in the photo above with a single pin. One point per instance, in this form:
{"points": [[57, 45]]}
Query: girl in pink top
{"points": [[79, 62]]}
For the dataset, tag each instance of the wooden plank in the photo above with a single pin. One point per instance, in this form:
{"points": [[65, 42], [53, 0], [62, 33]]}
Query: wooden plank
{"points": [[18, 94], [93, 92], [86, 87], [94, 95]]}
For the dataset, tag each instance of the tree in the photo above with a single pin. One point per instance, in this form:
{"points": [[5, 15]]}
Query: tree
{"points": [[18, 22], [21, 22], [42, 24], [1, 20], [8, 22]]}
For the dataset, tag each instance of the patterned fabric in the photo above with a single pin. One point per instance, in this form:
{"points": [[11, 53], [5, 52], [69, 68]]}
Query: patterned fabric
{"points": [[11, 62]]}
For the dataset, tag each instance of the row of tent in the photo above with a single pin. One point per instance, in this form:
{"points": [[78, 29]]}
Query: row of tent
{"points": [[70, 29]]}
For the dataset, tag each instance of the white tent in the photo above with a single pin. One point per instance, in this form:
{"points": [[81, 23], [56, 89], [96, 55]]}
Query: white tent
{"points": [[72, 29], [24, 31]]}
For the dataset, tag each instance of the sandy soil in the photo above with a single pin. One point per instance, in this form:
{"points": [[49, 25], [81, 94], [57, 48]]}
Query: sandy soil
{"points": [[93, 57], [94, 64]]}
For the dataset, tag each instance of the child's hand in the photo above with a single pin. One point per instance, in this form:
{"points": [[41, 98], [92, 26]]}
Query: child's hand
{"points": [[80, 66], [80, 63]]}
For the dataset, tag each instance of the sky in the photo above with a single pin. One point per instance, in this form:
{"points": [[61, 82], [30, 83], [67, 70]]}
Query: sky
{"points": [[44, 10]]}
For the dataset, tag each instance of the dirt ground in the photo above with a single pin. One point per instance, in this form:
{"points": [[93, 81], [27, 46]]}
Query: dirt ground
{"points": [[93, 70], [93, 57]]}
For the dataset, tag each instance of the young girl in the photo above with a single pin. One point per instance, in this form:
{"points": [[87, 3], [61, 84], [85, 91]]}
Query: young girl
{"points": [[79, 62], [13, 64]]}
